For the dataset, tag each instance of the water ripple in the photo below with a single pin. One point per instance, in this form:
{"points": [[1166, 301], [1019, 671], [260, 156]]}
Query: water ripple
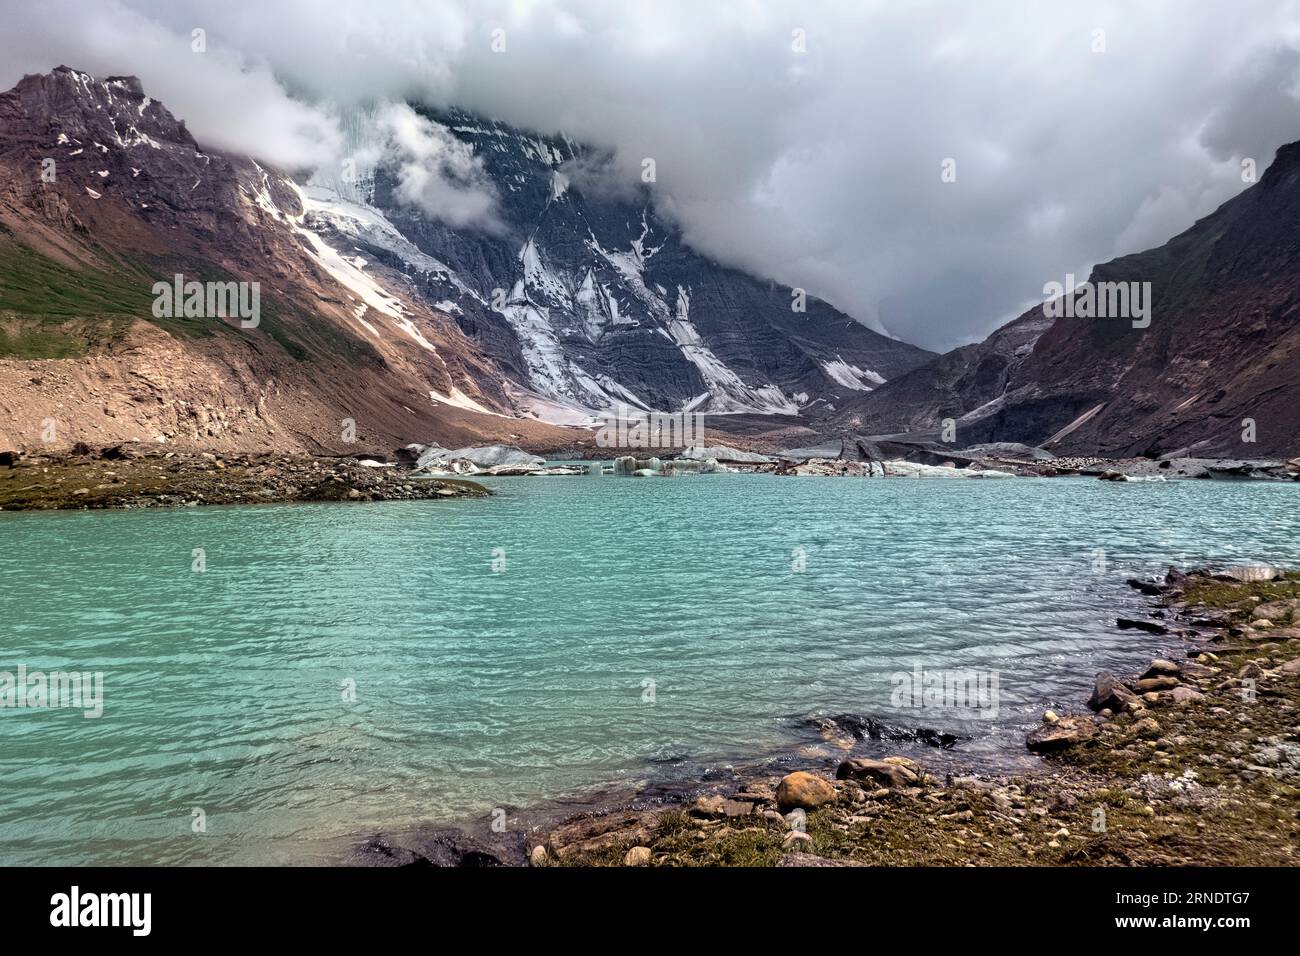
{"points": [[224, 690]]}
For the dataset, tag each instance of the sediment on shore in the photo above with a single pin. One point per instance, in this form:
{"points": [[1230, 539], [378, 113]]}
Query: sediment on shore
{"points": [[1192, 761], [133, 477]]}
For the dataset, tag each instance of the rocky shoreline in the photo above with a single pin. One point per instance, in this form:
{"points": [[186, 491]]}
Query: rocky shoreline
{"points": [[140, 476], [1193, 761], [143, 475]]}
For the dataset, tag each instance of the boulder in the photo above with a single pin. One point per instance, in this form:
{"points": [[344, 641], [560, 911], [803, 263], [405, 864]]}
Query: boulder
{"points": [[1274, 610], [1186, 695], [1108, 692], [1154, 684], [591, 834], [716, 805], [1147, 727], [1250, 573], [708, 805], [1211, 617], [803, 790], [1065, 733], [893, 772], [637, 856], [1290, 668], [1162, 668], [737, 808]]}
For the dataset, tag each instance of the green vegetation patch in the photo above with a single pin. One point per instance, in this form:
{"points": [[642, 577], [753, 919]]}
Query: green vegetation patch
{"points": [[50, 311], [1238, 596]]}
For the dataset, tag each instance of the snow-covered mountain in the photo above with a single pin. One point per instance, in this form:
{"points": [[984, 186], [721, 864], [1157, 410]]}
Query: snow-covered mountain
{"points": [[590, 299], [564, 302]]}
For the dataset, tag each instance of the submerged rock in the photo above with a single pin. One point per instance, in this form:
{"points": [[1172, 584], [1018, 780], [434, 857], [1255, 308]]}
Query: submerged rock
{"points": [[1148, 588], [444, 846], [869, 728], [1151, 627]]}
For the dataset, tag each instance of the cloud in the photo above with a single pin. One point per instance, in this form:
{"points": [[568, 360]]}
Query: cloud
{"points": [[817, 163], [230, 101], [436, 172]]}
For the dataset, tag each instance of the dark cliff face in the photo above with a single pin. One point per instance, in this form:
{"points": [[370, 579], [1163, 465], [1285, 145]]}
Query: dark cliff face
{"points": [[1218, 364], [594, 299]]}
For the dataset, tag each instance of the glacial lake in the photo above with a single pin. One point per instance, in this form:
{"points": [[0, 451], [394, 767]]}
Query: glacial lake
{"points": [[567, 635]]}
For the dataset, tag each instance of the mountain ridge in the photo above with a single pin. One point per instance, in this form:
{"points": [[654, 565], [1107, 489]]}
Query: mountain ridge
{"points": [[373, 313], [1212, 376]]}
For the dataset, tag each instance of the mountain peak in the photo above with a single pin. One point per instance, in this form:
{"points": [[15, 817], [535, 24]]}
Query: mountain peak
{"points": [[79, 108]]}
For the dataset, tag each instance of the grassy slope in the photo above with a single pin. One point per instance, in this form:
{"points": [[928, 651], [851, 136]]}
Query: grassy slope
{"points": [[48, 311]]}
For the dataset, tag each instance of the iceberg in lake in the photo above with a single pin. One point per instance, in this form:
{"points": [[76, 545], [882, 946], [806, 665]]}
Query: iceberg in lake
{"points": [[435, 458]]}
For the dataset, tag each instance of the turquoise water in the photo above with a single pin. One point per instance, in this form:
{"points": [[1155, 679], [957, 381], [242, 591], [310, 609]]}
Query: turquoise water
{"points": [[479, 688]]}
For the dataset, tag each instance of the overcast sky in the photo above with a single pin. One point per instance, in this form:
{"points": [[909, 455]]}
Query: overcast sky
{"points": [[801, 141]]}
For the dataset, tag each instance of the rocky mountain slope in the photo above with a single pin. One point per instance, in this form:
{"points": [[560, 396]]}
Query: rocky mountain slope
{"points": [[1218, 365], [589, 298], [374, 316], [103, 194]]}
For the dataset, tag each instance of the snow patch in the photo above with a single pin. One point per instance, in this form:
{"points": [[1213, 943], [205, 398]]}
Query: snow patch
{"points": [[850, 376], [559, 185], [728, 394]]}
